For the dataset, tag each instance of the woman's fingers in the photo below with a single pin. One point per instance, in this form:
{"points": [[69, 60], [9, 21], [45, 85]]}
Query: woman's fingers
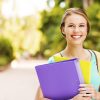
{"points": [[87, 90], [81, 97]]}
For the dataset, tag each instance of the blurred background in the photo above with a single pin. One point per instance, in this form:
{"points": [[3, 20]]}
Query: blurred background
{"points": [[29, 34]]}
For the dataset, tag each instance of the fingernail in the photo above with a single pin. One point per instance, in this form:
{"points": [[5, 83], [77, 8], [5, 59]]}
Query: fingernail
{"points": [[78, 89], [81, 85]]}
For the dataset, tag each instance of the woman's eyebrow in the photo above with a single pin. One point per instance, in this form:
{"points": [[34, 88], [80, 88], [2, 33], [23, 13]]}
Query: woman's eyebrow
{"points": [[71, 23], [82, 23], [79, 23]]}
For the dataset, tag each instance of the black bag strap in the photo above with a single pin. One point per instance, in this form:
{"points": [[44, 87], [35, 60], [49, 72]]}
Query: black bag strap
{"points": [[61, 54], [96, 60], [96, 64]]}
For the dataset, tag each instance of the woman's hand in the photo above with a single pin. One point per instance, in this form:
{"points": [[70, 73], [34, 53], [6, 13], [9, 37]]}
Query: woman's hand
{"points": [[80, 97], [87, 90]]}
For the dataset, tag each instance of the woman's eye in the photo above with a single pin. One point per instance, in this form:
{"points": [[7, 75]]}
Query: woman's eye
{"points": [[71, 26], [81, 25]]}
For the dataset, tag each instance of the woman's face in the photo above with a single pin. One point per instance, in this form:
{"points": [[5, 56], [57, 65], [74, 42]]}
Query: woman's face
{"points": [[75, 29]]}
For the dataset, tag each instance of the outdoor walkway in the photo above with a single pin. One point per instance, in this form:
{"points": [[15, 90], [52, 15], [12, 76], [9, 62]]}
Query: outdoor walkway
{"points": [[19, 82]]}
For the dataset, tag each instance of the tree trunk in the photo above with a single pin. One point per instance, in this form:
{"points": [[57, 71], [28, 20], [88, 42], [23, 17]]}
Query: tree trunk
{"points": [[71, 3], [87, 3]]}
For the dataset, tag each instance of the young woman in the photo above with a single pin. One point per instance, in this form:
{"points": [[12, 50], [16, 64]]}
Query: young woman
{"points": [[75, 27]]}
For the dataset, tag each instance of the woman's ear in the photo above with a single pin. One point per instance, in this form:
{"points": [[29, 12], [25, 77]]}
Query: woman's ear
{"points": [[63, 32]]}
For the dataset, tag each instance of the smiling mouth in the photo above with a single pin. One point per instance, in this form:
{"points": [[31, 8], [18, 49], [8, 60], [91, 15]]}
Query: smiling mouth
{"points": [[76, 36]]}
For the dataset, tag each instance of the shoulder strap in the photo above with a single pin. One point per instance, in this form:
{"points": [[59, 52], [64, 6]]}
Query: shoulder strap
{"points": [[96, 64], [96, 59], [61, 54]]}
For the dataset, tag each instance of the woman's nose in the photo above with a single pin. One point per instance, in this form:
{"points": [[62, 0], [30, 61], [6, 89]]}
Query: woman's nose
{"points": [[76, 29]]}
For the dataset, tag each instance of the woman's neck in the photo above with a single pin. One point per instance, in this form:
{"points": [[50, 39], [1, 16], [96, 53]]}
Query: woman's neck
{"points": [[76, 52]]}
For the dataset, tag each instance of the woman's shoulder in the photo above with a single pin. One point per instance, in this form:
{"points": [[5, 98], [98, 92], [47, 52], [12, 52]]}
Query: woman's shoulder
{"points": [[98, 58], [97, 54], [51, 59]]}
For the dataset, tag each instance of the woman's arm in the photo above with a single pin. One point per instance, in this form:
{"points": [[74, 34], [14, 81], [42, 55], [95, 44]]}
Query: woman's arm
{"points": [[97, 96], [98, 60], [39, 95]]}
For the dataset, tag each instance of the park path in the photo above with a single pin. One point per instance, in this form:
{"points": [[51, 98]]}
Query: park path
{"points": [[19, 81]]}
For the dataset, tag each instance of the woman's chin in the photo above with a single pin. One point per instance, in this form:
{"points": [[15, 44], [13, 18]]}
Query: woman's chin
{"points": [[76, 43]]}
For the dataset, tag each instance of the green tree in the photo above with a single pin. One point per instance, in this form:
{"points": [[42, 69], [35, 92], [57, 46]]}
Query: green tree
{"points": [[93, 40], [50, 26], [51, 29]]}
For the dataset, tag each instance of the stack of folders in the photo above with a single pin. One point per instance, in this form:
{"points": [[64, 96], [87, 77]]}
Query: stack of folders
{"points": [[84, 65], [60, 80]]}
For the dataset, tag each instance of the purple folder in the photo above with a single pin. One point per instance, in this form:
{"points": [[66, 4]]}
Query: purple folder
{"points": [[60, 80]]}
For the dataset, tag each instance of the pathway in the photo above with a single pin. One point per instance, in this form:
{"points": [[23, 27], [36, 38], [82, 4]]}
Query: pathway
{"points": [[19, 82]]}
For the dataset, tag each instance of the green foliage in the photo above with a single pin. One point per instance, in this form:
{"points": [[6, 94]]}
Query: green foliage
{"points": [[93, 38], [51, 29], [23, 34], [50, 26], [6, 51]]}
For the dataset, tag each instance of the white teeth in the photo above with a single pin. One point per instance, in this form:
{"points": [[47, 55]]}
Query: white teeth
{"points": [[76, 37]]}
